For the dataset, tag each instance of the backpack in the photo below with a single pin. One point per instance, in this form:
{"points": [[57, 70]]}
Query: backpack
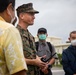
{"points": [[49, 44]]}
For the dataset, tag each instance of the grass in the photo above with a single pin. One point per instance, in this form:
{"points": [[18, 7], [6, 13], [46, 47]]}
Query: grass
{"points": [[57, 65]]}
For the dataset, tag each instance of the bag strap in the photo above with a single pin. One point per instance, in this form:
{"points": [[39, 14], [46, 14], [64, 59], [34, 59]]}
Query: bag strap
{"points": [[37, 45], [50, 46]]}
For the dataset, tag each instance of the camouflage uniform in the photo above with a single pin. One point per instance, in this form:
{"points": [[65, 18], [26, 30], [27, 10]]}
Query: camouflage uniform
{"points": [[29, 49]]}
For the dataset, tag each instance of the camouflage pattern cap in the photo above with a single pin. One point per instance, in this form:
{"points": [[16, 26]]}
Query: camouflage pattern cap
{"points": [[27, 8]]}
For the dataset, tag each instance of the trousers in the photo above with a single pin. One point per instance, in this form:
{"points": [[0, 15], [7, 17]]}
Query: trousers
{"points": [[49, 72]]}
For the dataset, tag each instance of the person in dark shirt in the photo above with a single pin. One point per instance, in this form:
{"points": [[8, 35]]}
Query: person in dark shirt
{"points": [[69, 56]]}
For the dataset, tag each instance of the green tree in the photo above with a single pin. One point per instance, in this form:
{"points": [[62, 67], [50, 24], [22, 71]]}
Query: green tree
{"points": [[60, 58]]}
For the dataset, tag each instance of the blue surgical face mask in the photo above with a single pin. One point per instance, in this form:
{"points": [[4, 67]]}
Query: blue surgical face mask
{"points": [[42, 36]]}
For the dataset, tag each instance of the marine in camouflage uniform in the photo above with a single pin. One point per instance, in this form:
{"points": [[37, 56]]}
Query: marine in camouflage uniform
{"points": [[26, 13], [29, 49]]}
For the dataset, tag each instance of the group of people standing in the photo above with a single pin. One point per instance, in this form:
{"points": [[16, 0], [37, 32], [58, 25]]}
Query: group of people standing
{"points": [[19, 53], [26, 15]]}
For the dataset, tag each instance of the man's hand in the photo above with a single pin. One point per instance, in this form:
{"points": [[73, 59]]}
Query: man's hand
{"points": [[39, 63], [36, 62], [45, 69]]}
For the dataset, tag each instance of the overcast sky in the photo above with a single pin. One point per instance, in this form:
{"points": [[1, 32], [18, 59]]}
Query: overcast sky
{"points": [[57, 16]]}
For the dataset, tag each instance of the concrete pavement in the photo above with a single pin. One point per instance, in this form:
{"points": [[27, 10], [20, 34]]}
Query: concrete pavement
{"points": [[57, 71]]}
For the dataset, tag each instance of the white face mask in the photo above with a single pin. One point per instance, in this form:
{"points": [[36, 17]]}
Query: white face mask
{"points": [[73, 42], [12, 18]]}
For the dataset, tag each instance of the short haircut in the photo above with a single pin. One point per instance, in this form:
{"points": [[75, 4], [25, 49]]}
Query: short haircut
{"points": [[4, 4], [73, 32]]}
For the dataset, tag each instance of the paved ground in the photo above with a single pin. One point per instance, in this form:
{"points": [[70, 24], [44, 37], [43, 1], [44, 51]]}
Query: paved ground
{"points": [[57, 71], [57, 68]]}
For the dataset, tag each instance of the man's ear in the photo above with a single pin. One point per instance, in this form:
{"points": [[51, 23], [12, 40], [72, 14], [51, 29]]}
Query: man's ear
{"points": [[8, 12], [69, 39], [9, 8], [21, 15], [37, 35]]}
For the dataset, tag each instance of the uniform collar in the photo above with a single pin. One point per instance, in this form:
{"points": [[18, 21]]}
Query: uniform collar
{"points": [[22, 28], [42, 43]]}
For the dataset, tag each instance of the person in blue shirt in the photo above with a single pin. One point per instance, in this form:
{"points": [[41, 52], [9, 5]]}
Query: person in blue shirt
{"points": [[69, 56]]}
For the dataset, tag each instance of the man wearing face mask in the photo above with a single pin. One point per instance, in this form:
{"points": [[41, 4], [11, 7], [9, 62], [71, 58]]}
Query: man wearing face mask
{"points": [[69, 56], [45, 50], [11, 50], [13, 18]]}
